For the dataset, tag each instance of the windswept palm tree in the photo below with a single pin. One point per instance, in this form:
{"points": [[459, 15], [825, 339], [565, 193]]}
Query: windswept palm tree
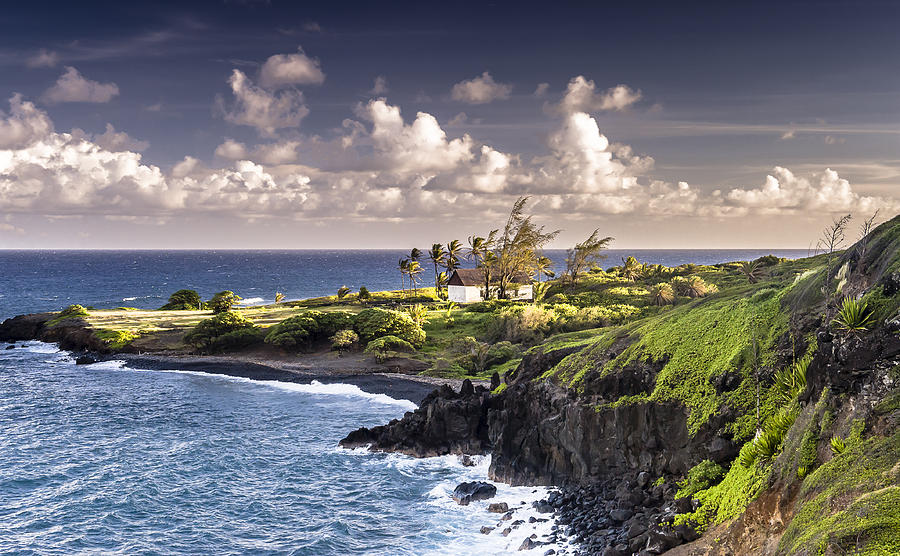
{"points": [[413, 270], [403, 265], [542, 266], [662, 294], [438, 257], [454, 252], [488, 265], [415, 254]]}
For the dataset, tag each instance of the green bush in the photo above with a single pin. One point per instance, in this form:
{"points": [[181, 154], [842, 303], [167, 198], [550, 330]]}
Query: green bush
{"points": [[521, 324], [375, 323], [296, 332], [344, 340], [223, 301], [331, 322], [791, 382], [838, 445], [767, 260], [183, 300], [702, 476], [767, 444], [207, 331], [385, 344], [364, 294], [501, 352], [237, 339]]}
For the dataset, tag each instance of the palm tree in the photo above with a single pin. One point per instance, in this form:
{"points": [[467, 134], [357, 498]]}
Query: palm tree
{"points": [[543, 268], [403, 265], [478, 246], [454, 252], [488, 263], [413, 270], [632, 269], [580, 258], [438, 257], [415, 254]]}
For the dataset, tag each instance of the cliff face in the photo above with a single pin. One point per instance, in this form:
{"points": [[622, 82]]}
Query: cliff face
{"points": [[693, 384], [71, 334]]}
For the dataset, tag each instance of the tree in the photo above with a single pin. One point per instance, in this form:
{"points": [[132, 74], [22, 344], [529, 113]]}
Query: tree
{"points": [[584, 255], [487, 265], [279, 297], [479, 246], [413, 270], [364, 295], [342, 292], [832, 239], [403, 265], [183, 300], [662, 294], [415, 254], [632, 269], [418, 313], [517, 247], [454, 252], [543, 267], [862, 247], [438, 257], [224, 301]]}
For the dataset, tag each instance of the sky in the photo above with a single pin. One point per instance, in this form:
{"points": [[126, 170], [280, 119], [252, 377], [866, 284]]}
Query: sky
{"points": [[277, 124]]}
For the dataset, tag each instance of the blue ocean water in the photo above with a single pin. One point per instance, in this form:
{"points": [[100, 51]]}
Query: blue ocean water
{"points": [[32, 281], [108, 459]]}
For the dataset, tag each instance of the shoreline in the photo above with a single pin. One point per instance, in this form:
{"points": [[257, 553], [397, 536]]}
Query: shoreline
{"points": [[400, 386]]}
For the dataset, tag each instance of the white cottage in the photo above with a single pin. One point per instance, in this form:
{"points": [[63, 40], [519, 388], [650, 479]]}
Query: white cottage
{"points": [[466, 285]]}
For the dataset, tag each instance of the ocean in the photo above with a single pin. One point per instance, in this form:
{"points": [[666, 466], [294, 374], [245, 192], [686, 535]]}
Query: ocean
{"points": [[110, 459]]}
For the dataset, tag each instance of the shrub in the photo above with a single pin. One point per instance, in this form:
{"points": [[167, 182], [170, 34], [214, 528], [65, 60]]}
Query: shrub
{"points": [[521, 324], [766, 445], [854, 316], [763, 295], [501, 352], [374, 323], [331, 322], [295, 332], [791, 382], [207, 331], [364, 294], [344, 340], [389, 343], [237, 339], [183, 300], [767, 260], [702, 476], [662, 294], [418, 313], [223, 301]]}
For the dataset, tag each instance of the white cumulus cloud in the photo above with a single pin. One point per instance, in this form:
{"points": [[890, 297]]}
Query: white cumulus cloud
{"points": [[42, 59], [581, 96], [480, 90], [291, 69], [73, 87], [267, 112]]}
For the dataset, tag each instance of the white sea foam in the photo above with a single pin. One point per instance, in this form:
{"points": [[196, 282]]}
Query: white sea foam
{"points": [[252, 300], [129, 298], [315, 387]]}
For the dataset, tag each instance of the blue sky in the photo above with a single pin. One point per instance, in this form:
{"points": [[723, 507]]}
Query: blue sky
{"points": [[260, 124]]}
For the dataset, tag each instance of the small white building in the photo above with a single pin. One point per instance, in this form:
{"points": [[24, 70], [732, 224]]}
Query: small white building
{"points": [[466, 285]]}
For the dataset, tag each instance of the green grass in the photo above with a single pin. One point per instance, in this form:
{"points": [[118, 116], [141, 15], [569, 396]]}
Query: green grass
{"points": [[115, 339]]}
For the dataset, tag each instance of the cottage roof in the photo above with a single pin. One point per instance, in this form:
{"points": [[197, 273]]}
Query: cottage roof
{"points": [[474, 277]]}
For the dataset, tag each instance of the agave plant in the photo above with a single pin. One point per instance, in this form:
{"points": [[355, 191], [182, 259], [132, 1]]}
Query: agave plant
{"points": [[854, 316], [838, 445], [791, 382], [662, 294], [750, 269]]}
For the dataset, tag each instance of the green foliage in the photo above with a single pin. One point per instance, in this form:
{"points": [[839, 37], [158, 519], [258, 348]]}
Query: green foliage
{"points": [[521, 324], [374, 323], [767, 443], [344, 340], [364, 296], [330, 322], [115, 339], [701, 477], [849, 504], [237, 340], [70, 312], [183, 300], [791, 382], [223, 301], [854, 316], [342, 292], [308, 328], [279, 297], [208, 331], [838, 445], [418, 313], [384, 344]]}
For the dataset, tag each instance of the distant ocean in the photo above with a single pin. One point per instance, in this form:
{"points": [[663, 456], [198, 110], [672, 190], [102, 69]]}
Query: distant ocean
{"points": [[32, 281], [104, 458]]}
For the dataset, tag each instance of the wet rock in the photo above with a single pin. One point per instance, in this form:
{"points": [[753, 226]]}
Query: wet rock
{"points": [[507, 516], [471, 491], [485, 530], [643, 479], [621, 515], [467, 461], [498, 507], [662, 538], [85, 359], [506, 531], [495, 381], [529, 543], [11, 346], [542, 507]]}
